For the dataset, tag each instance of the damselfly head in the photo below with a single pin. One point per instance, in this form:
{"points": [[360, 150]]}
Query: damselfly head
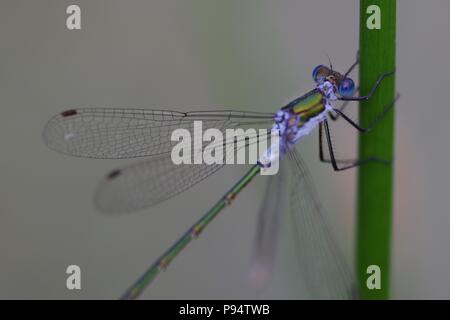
{"points": [[344, 85], [323, 73]]}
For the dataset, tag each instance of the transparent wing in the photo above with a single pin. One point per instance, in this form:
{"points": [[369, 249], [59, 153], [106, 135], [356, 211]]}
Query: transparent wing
{"points": [[152, 181], [117, 133], [267, 228], [322, 264], [148, 183]]}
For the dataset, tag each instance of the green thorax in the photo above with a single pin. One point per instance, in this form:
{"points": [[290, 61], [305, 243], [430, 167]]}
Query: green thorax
{"points": [[307, 106]]}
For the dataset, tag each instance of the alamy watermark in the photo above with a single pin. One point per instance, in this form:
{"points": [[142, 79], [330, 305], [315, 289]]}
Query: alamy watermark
{"points": [[230, 149]]}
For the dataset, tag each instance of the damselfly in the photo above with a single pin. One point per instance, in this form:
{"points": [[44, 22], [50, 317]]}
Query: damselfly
{"points": [[115, 133]]}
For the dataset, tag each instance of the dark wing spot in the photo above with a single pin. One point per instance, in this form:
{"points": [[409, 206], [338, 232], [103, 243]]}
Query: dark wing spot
{"points": [[113, 174], [69, 113]]}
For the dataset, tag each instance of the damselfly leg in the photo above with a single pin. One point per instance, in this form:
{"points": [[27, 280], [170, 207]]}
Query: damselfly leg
{"points": [[350, 163], [374, 121], [341, 108], [371, 92], [333, 161]]}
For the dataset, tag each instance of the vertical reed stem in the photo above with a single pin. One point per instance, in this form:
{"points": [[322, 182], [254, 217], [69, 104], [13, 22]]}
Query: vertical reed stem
{"points": [[375, 181]]}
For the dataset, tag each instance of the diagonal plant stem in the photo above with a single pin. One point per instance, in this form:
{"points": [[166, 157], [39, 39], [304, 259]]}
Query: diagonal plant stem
{"points": [[375, 181]]}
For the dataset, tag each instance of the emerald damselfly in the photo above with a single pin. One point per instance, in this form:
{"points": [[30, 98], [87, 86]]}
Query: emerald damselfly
{"points": [[116, 133]]}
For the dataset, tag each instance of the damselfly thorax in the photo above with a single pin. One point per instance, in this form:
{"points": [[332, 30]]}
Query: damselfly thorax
{"points": [[300, 116]]}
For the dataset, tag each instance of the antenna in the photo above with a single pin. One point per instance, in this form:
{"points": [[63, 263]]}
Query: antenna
{"points": [[329, 60]]}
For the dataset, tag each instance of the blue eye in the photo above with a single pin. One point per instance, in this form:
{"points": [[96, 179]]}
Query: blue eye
{"points": [[346, 87], [315, 72]]}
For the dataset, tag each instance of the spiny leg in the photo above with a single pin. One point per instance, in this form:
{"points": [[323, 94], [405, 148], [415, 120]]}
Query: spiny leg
{"points": [[363, 130], [321, 152], [374, 87], [334, 117], [374, 121], [349, 163]]}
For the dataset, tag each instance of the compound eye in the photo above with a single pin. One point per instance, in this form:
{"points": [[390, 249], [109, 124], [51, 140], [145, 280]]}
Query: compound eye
{"points": [[319, 73], [346, 87]]}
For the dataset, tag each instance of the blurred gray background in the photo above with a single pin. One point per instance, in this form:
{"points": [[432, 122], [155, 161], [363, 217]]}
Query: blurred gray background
{"points": [[249, 55]]}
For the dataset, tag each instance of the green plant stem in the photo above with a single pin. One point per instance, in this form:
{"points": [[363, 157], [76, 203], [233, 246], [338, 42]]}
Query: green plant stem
{"points": [[375, 181]]}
